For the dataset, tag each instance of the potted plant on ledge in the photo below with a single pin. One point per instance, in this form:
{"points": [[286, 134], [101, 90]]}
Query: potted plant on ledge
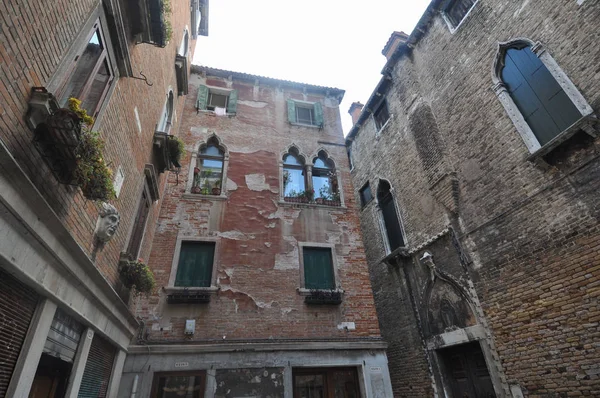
{"points": [[136, 274]]}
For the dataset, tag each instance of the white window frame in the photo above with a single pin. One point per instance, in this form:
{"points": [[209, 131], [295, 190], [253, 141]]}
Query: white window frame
{"points": [[334, 263], [529, 138], [451, 27], [165, 123], [213, 288]]}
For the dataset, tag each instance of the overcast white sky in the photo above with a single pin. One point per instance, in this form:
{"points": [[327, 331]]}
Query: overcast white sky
{"points": [[334, 43]]}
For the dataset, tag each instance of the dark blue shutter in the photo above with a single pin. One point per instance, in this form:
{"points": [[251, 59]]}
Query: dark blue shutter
{"points": [[96, 375], [195, 264], [543, 103], [318, 268]]}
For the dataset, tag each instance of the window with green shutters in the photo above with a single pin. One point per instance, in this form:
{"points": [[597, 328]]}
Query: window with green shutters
{"points": [[210, 98], [318, 268], [306, 113], [195, 265]]}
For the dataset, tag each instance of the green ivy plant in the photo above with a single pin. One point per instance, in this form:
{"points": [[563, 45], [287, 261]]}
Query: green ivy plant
{"points": [[168, 27], [176, 148], [92, 174], [136, 274]]}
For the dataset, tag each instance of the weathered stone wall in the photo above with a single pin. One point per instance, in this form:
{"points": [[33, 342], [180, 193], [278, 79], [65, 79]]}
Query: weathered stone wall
{"points": [[35, 39], [530, 232], [258, 265]]}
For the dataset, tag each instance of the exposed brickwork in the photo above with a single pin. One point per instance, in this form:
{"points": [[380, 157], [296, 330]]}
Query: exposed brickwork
{"points": [[530, 233], [34, 39], [258, 260]]}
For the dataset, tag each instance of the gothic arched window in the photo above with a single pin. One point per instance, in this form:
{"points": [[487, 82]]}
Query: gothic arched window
{"points": [[389, 215]]}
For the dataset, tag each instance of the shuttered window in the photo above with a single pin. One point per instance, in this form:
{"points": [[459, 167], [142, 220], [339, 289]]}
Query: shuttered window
{"points": [[456, 10], [305, 113], [318, 268], [96, 375], [541, 100], [17, 305], [195, 265], [137, 234], [208, 99]]}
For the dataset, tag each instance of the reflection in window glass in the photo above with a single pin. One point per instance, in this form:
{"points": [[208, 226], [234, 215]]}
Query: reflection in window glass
{"points": [[208, 176], [180, 387], [99, 83], [293, 177], [85, 67]]}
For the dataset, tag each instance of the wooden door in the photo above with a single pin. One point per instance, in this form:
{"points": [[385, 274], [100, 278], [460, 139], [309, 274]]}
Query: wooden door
{"points": [[466, 372]]}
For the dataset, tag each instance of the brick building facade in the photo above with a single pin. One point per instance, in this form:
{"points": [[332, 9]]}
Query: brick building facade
{"points": [[263, 287], [64, 329], [476, 160]]}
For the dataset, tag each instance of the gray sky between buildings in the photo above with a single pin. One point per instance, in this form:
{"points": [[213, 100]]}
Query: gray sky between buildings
{"points": [[335, 43]]}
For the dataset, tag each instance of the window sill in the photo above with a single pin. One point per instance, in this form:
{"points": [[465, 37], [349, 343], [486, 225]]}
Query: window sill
{"points": [[199, 196], [589, 124], [212, 113], [390, 259], [307, 125], [307, 292], [212, 290], [311, 205]]}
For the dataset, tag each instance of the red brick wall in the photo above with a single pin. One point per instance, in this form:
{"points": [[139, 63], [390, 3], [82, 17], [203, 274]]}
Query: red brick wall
{"points": [[258, 296], [34, 38]]}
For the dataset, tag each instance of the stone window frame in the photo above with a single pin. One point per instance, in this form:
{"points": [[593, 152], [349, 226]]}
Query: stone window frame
{"points": [[364, 204], [165, 123], [302, 290], [499, 88], [194, 162], [147, 192], [381, 221], [186, 35], [213, 288], [308, 177], [451, 27]]}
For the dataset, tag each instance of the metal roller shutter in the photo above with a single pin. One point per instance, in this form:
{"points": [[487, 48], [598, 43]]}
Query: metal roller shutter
{"points": [[17, 305], [98, 367]]}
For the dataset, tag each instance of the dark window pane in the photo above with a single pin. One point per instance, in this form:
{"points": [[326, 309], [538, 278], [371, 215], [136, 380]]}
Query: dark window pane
{"points": [[293, 181], [318, 268], [541, 100], [381, 115], [304, 115], [457, 9], [390, 217], [215, 100], [139, 226], [309, 386], [85, 67], [365, 194], [180, 387], [195, 264], [100, 81], [345, 384]]}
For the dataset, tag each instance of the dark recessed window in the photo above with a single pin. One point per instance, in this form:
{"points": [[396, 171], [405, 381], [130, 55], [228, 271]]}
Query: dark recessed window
{"points": [[365, 194], [304, 115], [390, 216], [195, 265], [216, 100], [318, 268], [456, 10], [381, 115]]}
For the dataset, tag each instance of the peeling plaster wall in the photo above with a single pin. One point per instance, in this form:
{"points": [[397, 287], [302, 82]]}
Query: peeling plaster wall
{"points": [[258, 268]]}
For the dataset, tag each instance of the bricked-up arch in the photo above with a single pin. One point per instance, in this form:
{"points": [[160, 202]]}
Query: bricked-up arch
{"points": [[538, 96], [393, 235], [430, 146]]}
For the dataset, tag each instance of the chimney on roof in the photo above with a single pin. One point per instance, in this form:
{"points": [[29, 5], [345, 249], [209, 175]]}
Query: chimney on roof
{"points": [[354, 111], [396, 39]]}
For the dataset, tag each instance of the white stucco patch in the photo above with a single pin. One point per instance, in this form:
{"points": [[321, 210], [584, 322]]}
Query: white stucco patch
{"points": [[253, 104], [257, 182], [230, 185], [289, 260], [268, 244], [235, 235]]}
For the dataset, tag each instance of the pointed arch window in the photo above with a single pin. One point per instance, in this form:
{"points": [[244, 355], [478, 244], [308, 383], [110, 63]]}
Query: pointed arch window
{"points": [[166, 119], [538, 96], [208, 173], [294, 175], [324, 180], [391, 223]]}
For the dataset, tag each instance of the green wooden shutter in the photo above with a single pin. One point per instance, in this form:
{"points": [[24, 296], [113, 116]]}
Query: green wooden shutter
{"points": [[202, 97], [195, 264], [291, 111], [232, 103], [318, 110], [318, 268]]}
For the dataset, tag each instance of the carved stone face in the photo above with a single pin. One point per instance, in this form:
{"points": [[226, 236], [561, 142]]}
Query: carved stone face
{"points": [[107, 224]]}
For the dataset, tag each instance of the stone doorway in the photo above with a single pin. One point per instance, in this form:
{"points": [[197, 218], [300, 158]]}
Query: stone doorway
{"points": [[465, 372]]}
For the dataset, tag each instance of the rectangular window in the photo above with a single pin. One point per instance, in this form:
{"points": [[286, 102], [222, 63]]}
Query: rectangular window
{"points": [[90, 74], [209, 98], [195, 265], [139, 226], [306, 113], [457, 10], [365, 194], [381, 115], [178, 385], [326, 383], [318, 268], [216, 100]]}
